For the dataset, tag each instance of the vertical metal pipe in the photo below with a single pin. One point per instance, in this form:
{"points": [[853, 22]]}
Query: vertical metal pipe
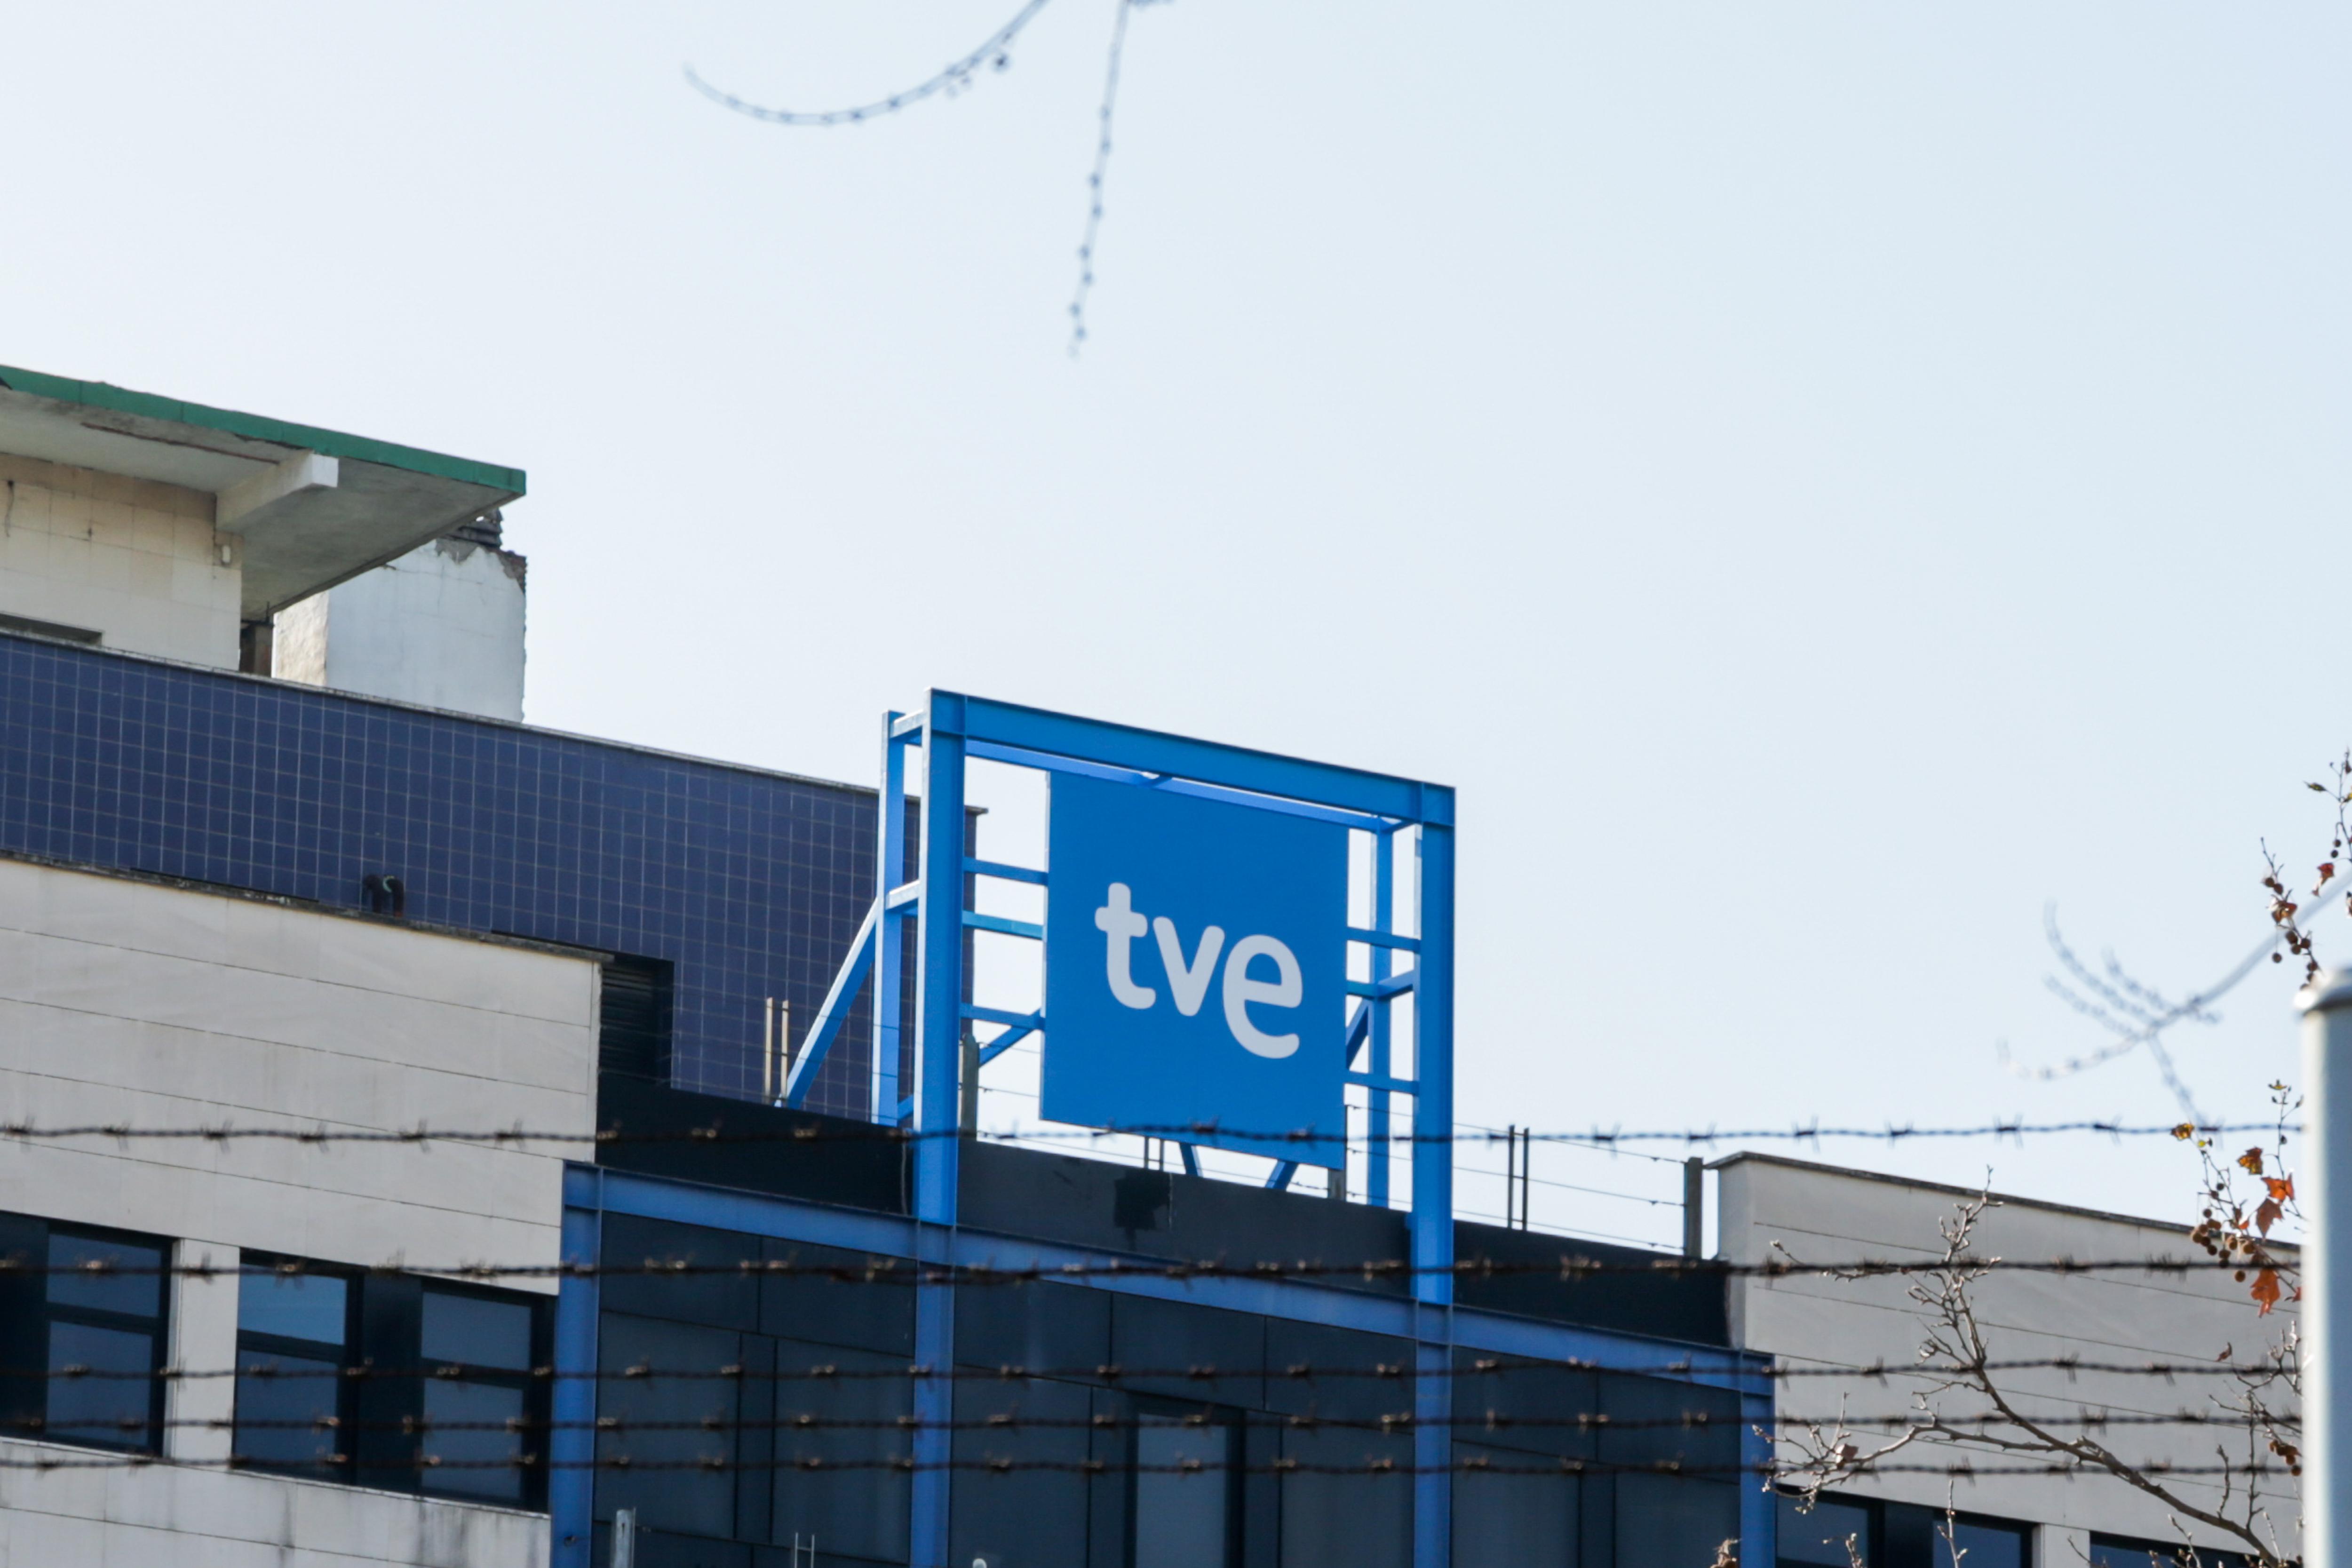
{"points": [[1376, 1137], [939, 1033], [1433, 1189], [889, 866], [2327, 1191], [1515, 1181], [1694, 1206], [571, 1441]]}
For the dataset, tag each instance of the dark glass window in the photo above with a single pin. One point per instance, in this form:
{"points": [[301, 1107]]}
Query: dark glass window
{"points": [[101, 1334], [479, 1394], [294, 1336], [391, 1381], [1182, 1504], [1905, 1535], [1819, 1534], [1985, 1545], [2123, 1551], [1511, 1511], [859, 1509], [633, 1031]]}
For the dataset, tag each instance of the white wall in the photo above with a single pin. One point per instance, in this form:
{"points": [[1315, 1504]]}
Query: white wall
{"points": [[175, 1516], [133, 560], [443, 626], [1819, 1214], [125, 1002]]}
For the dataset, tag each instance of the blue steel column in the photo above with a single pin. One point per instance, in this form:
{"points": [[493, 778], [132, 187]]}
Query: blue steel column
{"points": [[1383, 1062], [889, 865], [1759, 1507], [1433, 1188], [571, 1443], [938, 1025]]}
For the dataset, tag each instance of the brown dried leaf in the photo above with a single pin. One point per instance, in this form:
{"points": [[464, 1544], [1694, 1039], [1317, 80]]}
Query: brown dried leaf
{"points": [[2265, 1290], [2251, 1161]]}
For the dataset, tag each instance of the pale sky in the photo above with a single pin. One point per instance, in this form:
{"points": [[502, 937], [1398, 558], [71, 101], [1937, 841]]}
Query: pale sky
{"points": [[1820, 479]]}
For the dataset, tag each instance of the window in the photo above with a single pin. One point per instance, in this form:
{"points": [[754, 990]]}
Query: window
{"points": [[1183, 1514], [81, 1329], [104, 1298], [294, 1332], [2123, 1551], [392, 1381], [1901, 1535], [1821, 1534], [634, 1022], [479, 1393]]}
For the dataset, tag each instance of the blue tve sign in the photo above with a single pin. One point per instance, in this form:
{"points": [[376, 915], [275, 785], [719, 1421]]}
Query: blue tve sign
{"points": [[1195, 969]]}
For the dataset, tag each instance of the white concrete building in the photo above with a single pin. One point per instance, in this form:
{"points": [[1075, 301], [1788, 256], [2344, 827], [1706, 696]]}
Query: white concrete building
{"points": [[1775, 1208], [132, 1000], [441, 626], [156, 526]]}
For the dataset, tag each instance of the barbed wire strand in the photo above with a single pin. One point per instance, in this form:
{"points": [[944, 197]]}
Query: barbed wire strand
{"points": [[1589, 1425], [1112, 1372], [1370, 1467], [908, 1272], [718, 1132]]}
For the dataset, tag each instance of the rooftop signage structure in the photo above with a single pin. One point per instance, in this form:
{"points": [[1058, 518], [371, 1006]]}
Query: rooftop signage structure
{"points": [[1204, 980]]}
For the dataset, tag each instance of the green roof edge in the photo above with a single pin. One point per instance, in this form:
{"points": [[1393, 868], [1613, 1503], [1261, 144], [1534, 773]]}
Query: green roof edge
{"points": [[332, 443]]}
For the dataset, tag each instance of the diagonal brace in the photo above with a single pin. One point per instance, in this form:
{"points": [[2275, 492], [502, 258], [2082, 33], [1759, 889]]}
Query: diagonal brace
{"points": [[837, 1003]]}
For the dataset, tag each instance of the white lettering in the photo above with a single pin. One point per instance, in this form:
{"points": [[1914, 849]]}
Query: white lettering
{"points": [[1241, 991], [1117, 920], [1187, 982]]}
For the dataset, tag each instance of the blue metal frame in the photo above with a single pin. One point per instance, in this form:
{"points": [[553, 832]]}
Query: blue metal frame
{"points": [[591, 1192], [572, 1446], [1411, 963]]}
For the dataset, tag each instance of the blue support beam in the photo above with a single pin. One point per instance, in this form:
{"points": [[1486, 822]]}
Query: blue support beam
{"points": [[1014, 1035], [827, 1026], [1431, 1223], [1004, 873], [1384, 989], [939, 1063], [572, 1445], [891, 900], [1377, 1026], [1124, 746], [1285, 1172], [1004, 925]]}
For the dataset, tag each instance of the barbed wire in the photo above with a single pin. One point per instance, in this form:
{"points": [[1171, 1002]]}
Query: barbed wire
{"points": [[951, 78], [1476, 1465], [718, 1132], [1588, 1424], [1112, 1371], [906, 1273], [1567, 1266]]}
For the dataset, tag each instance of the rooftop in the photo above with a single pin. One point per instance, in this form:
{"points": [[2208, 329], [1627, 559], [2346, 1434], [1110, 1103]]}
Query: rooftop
{"points": [[313, 506]]}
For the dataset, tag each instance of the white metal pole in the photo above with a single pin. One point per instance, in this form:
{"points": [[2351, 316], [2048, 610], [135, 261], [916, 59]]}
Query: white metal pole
{"points": [[2326, 1308]]}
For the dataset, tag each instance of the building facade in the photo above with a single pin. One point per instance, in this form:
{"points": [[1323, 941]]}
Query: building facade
{"points": [[278, 856], [2089, 1341]]}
